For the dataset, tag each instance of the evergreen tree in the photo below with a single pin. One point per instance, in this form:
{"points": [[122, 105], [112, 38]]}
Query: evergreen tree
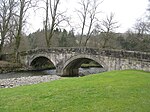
{"points": [[63, 39]]}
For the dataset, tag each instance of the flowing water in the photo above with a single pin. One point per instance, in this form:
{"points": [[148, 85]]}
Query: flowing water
{"points": [[91, 70], [13, 79], [26, 74], [82, 72]]}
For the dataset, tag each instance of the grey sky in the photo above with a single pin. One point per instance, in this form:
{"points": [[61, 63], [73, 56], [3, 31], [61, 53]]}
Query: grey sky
{"points": [[126, 12]]}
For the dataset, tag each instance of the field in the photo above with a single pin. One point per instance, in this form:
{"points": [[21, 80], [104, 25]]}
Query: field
{"points": [[116, 91]]}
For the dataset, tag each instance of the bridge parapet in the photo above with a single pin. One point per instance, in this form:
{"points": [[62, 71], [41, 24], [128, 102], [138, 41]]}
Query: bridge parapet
{"points": [[145, 56], [94, 51]]}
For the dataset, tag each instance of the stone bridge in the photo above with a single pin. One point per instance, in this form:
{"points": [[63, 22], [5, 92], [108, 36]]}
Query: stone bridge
{"points": [[68, 60]]}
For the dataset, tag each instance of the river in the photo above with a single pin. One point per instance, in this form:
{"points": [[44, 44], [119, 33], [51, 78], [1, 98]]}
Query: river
{"points": [[82, 71], [27, 74], [13, 79]]}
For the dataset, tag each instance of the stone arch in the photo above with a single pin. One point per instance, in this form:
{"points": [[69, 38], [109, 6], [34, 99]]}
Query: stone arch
{"points": [[40, 57], [71, 66]]}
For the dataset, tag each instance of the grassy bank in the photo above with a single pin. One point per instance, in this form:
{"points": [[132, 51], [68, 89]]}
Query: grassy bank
{"points": [[117, 91], [89, 65], [9, 66]]}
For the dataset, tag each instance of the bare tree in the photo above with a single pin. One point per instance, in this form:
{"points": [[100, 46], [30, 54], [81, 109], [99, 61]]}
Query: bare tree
{"points": [[92, 17], [24, 6], [46, 24], [83, 13], [107, 27], [53, 19], [6, 13], [87, 15], [19, 25], [141, 27]]}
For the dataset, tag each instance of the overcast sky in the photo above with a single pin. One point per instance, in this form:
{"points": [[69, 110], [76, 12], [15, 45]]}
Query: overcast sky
{"points": [[126, 12]]}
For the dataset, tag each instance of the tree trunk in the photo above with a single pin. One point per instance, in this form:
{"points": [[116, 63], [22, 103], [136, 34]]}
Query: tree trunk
{"points": [[18, 36]]}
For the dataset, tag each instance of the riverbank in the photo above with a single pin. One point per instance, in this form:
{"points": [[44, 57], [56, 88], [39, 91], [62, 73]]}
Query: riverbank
{"points": [[10, 77], [6, 67], [20, 81], [13, 79]]}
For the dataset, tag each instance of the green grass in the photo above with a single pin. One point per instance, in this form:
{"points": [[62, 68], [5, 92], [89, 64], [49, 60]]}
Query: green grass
{"points": [[89, 65], [117, 91]]}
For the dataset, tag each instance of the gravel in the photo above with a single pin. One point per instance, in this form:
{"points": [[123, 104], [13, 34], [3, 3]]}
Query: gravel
{"points": [[14, 82]]}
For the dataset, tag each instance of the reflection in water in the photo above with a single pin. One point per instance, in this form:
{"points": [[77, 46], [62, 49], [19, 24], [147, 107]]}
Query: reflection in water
{"points": [[82, 72], [91, 70]]}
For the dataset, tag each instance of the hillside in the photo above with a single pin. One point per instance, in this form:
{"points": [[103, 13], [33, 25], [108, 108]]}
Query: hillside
{"points": [[117, 91]]}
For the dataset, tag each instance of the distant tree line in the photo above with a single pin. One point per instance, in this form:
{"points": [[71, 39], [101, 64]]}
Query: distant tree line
{"points": [[62, 38]]}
